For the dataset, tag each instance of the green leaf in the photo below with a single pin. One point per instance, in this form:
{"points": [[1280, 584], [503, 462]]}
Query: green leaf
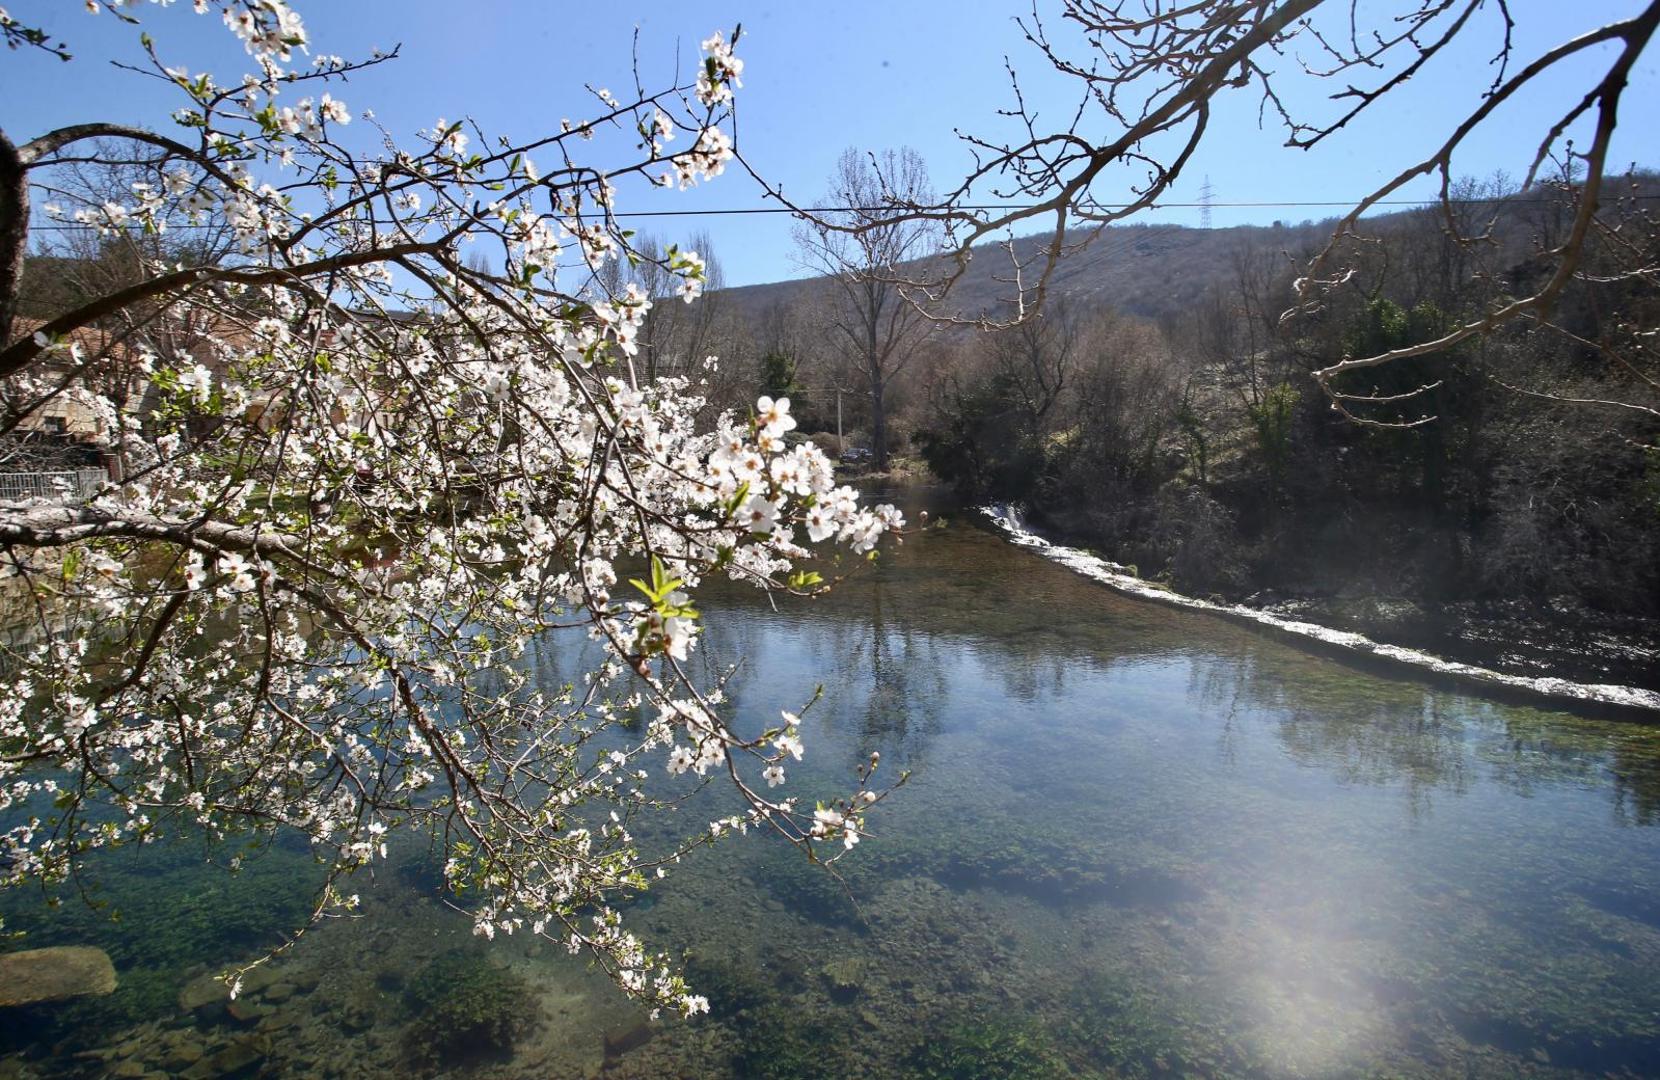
{"points": [[737, 499]]}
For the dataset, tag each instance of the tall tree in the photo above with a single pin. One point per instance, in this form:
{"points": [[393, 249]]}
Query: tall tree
{"points": [[859, 247]]}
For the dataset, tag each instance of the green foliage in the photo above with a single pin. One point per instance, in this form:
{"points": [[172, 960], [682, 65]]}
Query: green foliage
{"points": [[1271, 422], [1381, 325], [986, 444], [778, 375], [1198, 444], [779, 378], [661, 593]]}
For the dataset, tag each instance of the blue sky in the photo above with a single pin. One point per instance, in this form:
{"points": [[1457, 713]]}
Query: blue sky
{"points": [[819, 77]]}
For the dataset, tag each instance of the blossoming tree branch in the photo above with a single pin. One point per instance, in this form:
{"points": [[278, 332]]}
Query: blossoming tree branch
{"points": [[368, 473]]}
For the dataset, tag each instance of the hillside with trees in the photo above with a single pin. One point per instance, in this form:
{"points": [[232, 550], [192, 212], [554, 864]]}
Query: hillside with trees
{"points": [[1161, 409]]}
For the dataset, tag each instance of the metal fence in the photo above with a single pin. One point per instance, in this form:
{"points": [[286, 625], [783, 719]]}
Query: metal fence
{"points": [[62, 485]]}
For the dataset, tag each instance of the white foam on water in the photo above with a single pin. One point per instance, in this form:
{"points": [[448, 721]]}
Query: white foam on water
{"points": [[1118, 578]]}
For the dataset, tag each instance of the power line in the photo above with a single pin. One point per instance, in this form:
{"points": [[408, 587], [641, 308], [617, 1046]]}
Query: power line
{"points": [[1201, 205]]}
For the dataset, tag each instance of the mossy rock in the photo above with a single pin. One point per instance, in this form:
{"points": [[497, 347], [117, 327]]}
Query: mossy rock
{"points": [[55, 974], [244, 1056], [732, 987], [844, 978], [1133, 1030], [779, 1043], [469, 1008]]}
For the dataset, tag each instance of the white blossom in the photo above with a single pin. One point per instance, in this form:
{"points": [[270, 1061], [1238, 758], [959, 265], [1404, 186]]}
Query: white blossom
{"points": [[361, 497]]}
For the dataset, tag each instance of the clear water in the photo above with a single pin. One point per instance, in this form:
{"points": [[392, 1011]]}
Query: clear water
{"points": [[1138, 842]]}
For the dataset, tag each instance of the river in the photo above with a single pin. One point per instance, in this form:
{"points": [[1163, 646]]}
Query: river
{"points": [[1138, 841]]}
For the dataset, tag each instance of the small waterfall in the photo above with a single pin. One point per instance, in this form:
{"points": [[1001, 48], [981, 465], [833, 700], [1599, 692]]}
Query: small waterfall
{"points": [[1009, 520]]}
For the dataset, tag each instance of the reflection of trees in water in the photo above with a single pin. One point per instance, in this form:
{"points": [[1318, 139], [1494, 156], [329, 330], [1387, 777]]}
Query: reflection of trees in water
{"points": [[1366, 730], [1351, 730], [1422, 750], [1033, 675], [901, 710], [1538, 749], [1636, 773], [885, 674], [1526, 755], [558, 658], [1218, 683], [887, 642]]}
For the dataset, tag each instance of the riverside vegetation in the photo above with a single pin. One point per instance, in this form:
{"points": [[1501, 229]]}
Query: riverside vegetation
{"points": [[1186, 438]]}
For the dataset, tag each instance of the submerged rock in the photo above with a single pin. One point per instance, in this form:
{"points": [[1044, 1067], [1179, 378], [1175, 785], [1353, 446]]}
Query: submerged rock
{"points": [[54, 974], [845, 978], [279, 992], [244, 1011], [619, 1041], [203, 992], [181, 1052], [241, 1058]]}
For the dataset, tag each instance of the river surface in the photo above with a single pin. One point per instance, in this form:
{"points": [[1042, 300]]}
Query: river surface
{"points": [[1138, 842]]}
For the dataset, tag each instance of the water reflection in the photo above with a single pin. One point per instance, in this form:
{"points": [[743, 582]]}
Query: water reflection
{"points": [[1138, 842]]}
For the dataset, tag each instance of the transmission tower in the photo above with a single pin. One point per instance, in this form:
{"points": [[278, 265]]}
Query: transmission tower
{"points": [[1206, 194]]}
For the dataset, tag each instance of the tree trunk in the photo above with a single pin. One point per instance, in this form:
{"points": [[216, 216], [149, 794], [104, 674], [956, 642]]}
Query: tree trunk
{"points": [[878, 426], [878, 414], [14, 232]]}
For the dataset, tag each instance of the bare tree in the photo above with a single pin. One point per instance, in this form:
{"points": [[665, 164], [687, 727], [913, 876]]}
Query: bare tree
{"points": [[1150, 72], [1038, 357], [674, 337], [860, 247]]}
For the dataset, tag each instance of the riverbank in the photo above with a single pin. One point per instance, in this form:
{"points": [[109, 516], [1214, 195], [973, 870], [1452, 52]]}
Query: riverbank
{"points": [[1533, 649], [1552, 636]]}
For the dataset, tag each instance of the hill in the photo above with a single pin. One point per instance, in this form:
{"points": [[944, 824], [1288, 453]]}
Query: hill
{"points": [[1151, 271]]}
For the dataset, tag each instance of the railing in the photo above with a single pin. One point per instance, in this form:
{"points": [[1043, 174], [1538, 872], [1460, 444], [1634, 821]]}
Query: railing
{"points": [[62, 485]]}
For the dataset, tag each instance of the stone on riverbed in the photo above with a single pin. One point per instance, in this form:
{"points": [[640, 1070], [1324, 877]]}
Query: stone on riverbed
{"points": [[244, 1011], [620, 1040], [242, 1057], [54, 974], [845, 978], [203, 992]]}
